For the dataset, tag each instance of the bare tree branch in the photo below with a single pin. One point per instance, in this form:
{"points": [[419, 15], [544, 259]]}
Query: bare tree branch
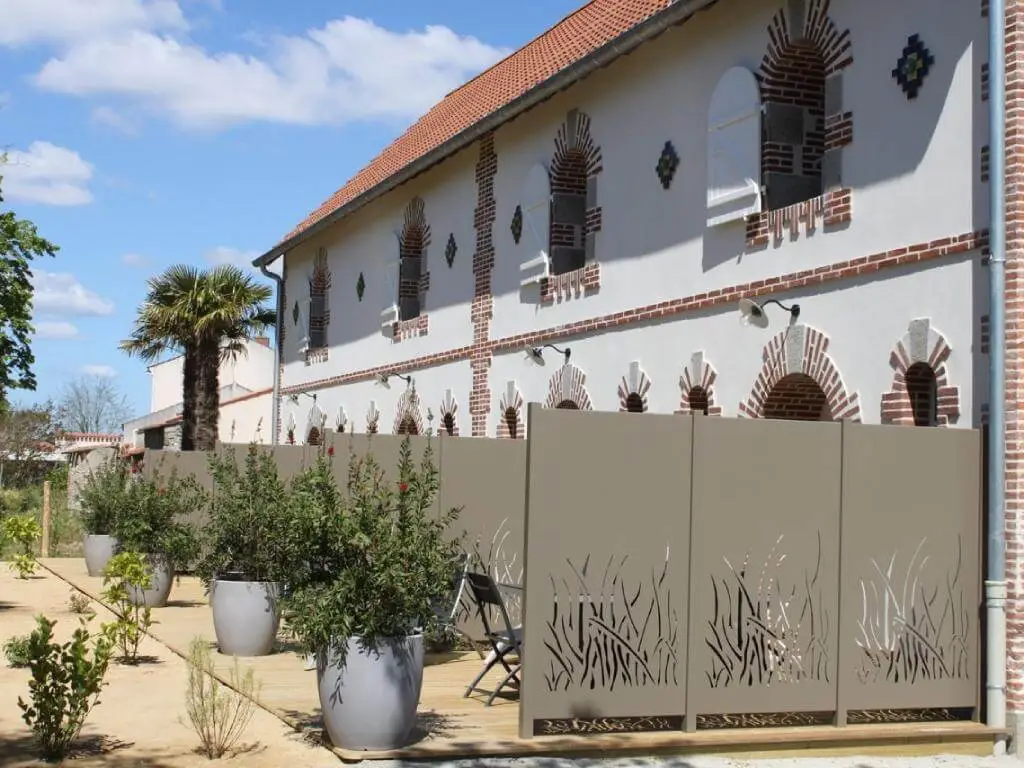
{"points": [[27, 437], [93, 404]]}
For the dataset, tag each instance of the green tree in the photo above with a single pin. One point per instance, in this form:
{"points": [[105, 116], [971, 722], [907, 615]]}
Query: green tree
{"points": [[207, 316], [20, 244]]}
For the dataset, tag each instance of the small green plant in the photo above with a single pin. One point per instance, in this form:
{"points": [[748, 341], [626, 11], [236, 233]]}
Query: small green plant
{"points": [[125, 571], [16, 650], [219, 714], [65, 686], [23, 531], [79, 603], [153, 519]]}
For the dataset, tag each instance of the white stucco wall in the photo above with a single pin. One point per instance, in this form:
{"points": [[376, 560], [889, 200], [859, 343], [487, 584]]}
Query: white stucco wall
{"points": [[913, 167], [252, 370], [246, 419]]}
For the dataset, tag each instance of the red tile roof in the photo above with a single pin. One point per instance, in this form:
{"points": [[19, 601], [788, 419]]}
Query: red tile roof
{"points": [[572, 39]]}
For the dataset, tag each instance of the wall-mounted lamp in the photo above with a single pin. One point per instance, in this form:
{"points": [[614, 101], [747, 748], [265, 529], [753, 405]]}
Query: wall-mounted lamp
{"points": [[752, 312], [293, 398], [383, 379], [535, 355]]}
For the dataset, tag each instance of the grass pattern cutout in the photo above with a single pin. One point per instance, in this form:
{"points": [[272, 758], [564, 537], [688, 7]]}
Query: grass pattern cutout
{"points": [[762, 632], [505, 568], [617, 635], [911, 631]]}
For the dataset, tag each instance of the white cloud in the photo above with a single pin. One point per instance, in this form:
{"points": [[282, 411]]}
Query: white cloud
{"points": [[105, 371], [222, 254], [66, 21], [134, 260], [111, 118], [47, 174], [60, 293], [349, 69], [56, 329]]}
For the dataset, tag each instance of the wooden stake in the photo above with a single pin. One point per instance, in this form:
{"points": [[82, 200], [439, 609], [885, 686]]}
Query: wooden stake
{"points": [[44, 547]]}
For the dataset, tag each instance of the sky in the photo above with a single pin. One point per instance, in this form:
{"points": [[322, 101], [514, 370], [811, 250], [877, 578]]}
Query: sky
{"points": [[145, 133]]}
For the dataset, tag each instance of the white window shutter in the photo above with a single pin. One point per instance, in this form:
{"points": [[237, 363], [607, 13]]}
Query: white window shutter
{"points": [[734, 148], [389, 315], [536, 202]]}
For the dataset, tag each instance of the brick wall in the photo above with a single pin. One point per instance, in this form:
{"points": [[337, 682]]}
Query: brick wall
{"points": [[1015, 358], [482, 308]]}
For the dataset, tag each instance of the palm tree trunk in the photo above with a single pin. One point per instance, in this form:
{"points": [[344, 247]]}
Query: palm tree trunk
{"points": [[208, 405], [189, 396]]}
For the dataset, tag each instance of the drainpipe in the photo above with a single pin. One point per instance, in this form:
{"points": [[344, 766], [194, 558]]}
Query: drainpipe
{"points": [[275, 404], [995, 576]]}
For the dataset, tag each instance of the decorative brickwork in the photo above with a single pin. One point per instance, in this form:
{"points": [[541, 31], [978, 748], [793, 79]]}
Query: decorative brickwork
{"points": [[575, 216], [805, 125], [408, 417], [567, 386], [413, 277], [449, 414], [984, 82], [319, 309], [482, 308], [697, 387], [983, 334], [411, 329], [372, 418], [921, 394], [510, 413], [983, 164], [799, 379], [633, 389]]}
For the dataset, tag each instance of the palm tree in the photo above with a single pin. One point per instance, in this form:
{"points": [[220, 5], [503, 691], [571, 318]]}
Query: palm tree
{"points": [[207, 316]]}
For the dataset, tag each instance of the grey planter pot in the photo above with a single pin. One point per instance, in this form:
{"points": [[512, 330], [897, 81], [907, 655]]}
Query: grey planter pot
{"points": [[98, 551], [245, 616], [371, 703], [160, 584]]}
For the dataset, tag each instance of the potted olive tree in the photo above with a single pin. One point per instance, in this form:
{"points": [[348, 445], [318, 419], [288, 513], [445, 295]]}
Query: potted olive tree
{"points": [[375, 562], [100, 500], [246, 550], [153, 522]]}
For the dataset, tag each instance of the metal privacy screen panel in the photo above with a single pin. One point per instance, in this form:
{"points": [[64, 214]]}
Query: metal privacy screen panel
{"points": [[608, 540], [911, 568]]}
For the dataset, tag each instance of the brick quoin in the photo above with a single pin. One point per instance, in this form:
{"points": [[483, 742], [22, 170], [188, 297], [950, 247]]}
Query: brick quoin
{"points": [[482, 308], [1015, 352], [864, 266]]}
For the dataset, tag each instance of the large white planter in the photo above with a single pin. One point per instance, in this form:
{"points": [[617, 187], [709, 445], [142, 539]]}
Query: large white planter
{"points": [[245, 616], [98, 549], [371, 704], [160, 583]]}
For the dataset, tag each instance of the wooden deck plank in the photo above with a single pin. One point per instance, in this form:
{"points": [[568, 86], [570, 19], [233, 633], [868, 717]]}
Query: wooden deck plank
{"points": [[452, 726]]}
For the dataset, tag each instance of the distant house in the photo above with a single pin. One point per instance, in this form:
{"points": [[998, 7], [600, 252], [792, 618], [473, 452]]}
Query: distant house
{"points": [[245, 400]]}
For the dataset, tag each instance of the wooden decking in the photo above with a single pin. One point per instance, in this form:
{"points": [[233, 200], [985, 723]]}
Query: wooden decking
{"points": [[452, 726]]}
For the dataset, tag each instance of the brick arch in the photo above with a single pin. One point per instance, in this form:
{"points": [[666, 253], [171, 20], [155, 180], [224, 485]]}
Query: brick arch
{"points": [[413, 243], [511, 423], [568, 384], [449, 414], [801, 349], [801, 168], [633, 389], [408, 418], [921, 345], [575, 216], [697, 387]]}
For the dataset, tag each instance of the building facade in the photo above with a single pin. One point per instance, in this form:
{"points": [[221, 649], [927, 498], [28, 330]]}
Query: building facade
{"points": [[619, 185]]}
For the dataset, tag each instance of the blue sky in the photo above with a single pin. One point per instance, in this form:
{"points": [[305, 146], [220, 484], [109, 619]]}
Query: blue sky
{"points": [[143, 133]]}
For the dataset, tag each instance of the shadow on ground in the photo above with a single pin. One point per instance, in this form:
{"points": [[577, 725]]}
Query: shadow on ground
{"points": [[88, 751]]}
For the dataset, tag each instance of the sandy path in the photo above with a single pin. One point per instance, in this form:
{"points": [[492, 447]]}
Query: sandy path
{"points": [[138, 721]]}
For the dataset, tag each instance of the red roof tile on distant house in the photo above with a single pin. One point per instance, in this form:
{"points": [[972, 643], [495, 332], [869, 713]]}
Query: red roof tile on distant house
{"points": [[581, 33]]}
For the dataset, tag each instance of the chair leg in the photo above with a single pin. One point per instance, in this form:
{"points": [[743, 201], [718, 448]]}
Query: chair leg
{"points": [[497, 689], [489, 663]]}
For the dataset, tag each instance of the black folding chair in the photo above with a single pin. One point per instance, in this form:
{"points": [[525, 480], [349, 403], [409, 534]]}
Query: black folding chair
{"points": [[505, 643]]}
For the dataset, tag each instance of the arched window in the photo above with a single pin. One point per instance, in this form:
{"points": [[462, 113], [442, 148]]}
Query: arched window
{"points": [[407, 426], [314, 437], [634, 403], [697, 398], [511, 417], [797, 397]]}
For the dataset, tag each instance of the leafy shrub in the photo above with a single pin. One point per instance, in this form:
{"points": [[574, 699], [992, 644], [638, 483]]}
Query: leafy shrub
{"points": [[16, 651], [248, 533], [103, 495], [151, 518], [23, 531], [65, 686], [219, 714], [79, 603], [124, 571], [374, 564]]}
